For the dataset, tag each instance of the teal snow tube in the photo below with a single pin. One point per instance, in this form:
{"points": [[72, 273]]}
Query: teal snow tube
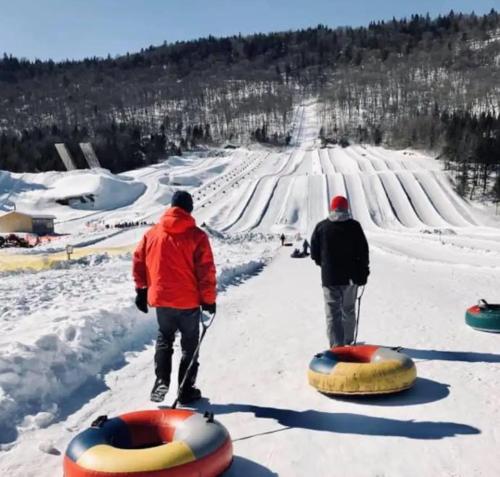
{"points": [[484, 317]]}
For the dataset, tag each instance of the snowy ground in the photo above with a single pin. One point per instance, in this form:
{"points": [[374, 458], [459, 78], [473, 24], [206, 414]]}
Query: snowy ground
{"points": [[74, 347]]}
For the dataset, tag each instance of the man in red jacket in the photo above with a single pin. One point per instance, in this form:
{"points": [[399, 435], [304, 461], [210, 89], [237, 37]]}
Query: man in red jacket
{"points": [[174, 272]]}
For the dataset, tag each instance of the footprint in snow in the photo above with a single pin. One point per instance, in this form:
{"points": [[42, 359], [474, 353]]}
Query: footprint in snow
{"points": [[49, 448]]}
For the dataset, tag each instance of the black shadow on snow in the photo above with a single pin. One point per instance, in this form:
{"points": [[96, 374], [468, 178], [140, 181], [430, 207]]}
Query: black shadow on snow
{"points": [[248, 468], [346, 423], [422, 392], [19, 186], [466, 356], [8, 433]]}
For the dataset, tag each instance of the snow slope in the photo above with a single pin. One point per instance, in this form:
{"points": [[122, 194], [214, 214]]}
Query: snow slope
{"points": [[74, 347]]}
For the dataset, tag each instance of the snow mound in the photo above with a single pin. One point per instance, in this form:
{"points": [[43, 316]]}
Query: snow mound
{"points": [[95, 189], [34, 377], [187, 180]]}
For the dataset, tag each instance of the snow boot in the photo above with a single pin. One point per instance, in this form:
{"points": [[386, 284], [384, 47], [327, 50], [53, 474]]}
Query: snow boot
{"points": [[190, 394], [159, 391]]}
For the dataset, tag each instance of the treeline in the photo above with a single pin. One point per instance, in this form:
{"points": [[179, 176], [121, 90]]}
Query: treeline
{"points": [[119, 147], [472, 151]]}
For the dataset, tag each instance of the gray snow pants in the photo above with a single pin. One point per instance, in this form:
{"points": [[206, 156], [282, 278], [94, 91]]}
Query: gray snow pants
{"points": [[340, 309], [171, 320]]}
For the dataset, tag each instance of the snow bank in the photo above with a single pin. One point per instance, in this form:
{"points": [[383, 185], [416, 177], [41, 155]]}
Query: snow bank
{"points": [[36, 377], [69, 328], [98, 188]]}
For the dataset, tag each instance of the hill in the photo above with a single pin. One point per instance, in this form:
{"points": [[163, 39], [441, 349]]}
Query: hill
{"points": [[405, 82]]}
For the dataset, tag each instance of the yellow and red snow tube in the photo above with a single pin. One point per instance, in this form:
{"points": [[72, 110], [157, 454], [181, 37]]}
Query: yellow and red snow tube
{"points": [[155, 443], [361, 369]]}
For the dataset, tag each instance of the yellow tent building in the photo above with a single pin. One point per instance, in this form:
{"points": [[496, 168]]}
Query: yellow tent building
{"points": [[15, 221]]}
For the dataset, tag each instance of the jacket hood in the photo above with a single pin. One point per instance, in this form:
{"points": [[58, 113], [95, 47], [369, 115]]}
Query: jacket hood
{"points": [[339, 215], [176, 221]]}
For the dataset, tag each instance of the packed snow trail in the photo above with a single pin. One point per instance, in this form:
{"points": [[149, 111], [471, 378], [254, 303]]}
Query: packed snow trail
{"points": [[253, 369]]}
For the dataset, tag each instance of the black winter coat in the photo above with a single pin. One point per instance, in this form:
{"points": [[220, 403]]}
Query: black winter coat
{"points": [[341, 250]]}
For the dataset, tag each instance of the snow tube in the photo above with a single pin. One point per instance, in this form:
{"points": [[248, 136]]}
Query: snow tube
{"points": [[484, 317], [361, 369], [155, 443]]}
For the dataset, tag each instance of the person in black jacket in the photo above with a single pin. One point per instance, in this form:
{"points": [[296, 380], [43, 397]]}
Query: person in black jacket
{"points": [[339, 247]]}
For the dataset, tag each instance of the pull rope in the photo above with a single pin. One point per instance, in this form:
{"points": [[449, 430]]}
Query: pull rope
{"points": [[206, 323], [358, 300]]}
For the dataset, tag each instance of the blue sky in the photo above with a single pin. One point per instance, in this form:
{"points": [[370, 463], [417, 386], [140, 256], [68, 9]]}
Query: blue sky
{"points": [[60, 29]]}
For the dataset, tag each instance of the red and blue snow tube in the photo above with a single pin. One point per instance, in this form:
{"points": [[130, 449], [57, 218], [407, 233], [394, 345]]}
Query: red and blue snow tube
{"points": [[484, 317], [155, 443]]}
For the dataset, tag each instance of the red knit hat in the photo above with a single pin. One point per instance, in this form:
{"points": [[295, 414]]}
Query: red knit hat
{"points": [[339, 202]]}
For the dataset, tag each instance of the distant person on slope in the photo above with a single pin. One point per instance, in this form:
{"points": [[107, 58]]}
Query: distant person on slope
{"points": [[282, 238], [305, 247], [174, 271], [339, 247]]}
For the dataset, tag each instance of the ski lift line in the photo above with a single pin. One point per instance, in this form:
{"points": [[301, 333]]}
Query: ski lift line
{"points": [[231, 207], [249, 167], [240, 167], [300, 126], [242, 176]]}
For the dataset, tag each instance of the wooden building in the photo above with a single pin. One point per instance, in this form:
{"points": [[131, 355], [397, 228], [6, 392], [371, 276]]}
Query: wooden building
{"points": [[15, 221]]}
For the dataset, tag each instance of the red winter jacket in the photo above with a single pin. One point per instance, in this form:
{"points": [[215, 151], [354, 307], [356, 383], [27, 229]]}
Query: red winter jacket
{"points": [[174, 262]]}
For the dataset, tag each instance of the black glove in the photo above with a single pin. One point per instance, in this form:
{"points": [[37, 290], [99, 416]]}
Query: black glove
{"points": [[361, 277], [141, 299], [210, 307]]}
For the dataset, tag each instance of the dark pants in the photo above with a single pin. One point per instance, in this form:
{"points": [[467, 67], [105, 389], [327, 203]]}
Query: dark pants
{"points": [[188, 323]]}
